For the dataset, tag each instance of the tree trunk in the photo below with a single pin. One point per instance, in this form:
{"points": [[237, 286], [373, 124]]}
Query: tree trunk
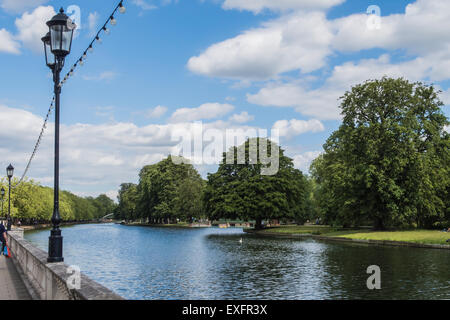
{"points": [[378, 224], [258, 224]]}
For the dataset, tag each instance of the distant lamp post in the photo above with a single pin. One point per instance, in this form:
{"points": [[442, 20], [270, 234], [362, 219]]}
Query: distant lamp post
{"points": [[2, 193], [57, 45], [9, 173]]}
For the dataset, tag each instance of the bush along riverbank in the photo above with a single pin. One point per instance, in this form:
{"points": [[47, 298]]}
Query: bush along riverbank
{"points": [[410, 238]]}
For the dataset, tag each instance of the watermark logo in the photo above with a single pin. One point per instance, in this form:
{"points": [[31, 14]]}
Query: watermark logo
{"points": [[201, 146], [74, 280], [374, 19], [374, 281], [74, 13]]}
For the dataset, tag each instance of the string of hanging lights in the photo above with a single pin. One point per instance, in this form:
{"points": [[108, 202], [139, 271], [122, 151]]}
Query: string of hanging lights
{"points": [[96, 40], [113, 22]]}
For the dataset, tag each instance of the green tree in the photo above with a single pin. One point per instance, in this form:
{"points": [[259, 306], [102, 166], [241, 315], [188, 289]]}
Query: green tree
{"points": [[168, 191], [189, 198], [128, 197], [240, 191], [388, 162], [31, 201], [104, 205]]}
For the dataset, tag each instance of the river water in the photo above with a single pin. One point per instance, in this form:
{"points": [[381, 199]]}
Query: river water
{"points": [[212, 263]]}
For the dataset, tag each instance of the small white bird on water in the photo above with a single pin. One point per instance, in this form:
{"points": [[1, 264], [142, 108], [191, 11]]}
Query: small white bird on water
{"points": [[240, 241]]}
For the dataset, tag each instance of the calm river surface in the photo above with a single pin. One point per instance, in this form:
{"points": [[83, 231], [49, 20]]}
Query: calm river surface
{"points": [[173, 263]]}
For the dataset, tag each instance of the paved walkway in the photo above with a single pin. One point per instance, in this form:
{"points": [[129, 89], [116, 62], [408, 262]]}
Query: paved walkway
{"points": [[11, 284]]}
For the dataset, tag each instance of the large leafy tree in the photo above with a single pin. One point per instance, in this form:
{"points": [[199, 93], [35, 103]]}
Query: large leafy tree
{"points": [[241, 191], [189, 198], [169, 190], [388, 163]]}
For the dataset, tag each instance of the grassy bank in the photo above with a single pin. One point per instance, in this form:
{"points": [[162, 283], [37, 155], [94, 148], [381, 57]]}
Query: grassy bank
{"points": [[414, 236]]}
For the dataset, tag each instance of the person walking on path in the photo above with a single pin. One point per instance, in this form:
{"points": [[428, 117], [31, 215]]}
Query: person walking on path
{"points": [[2, 236]]}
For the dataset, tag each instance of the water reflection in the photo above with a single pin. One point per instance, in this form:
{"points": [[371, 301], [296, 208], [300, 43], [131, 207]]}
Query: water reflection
{"points": [[172, 263]]}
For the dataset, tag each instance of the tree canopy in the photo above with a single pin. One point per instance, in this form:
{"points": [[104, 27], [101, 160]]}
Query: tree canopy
{"points": [[388, 163], [241, 191], [167, 191], [32, 202]]}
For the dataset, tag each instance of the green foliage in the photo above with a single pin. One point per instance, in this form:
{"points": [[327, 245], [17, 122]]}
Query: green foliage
{"points": [[126, 210], [166, 192], [389, 161], [239, 191], [31, 201]]}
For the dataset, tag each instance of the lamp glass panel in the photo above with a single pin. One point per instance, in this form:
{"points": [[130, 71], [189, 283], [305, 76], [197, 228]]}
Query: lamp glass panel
{"points": [[48, 54], [56, 37]]}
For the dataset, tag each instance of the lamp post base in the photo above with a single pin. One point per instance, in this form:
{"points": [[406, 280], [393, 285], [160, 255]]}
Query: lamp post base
{"points": [[55, 247]]}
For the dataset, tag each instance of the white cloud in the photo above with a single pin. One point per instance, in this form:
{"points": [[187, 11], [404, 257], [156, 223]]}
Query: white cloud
{"points": [[323, 102], [298, 41], [93, 22], [7, 43], [242, 117], [303, 41], [93, 158], [112, 194], [447, 128], [294, 127], [106, 75], [19, 6], [303, 161], [422, 29], [144, 5], [156, 112], [257, 6], [32, 27], [204, 112]]}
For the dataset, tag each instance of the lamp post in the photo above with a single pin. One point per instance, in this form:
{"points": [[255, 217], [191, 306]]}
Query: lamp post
{"points": [[9, 173], [57, 45], [2, 193]]}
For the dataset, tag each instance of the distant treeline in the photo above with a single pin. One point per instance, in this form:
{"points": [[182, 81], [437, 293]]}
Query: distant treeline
{"points": [[31, 203], [388, 165]]}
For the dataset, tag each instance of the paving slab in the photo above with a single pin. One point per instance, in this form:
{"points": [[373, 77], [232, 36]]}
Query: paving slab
{"points": [[11, 284]]}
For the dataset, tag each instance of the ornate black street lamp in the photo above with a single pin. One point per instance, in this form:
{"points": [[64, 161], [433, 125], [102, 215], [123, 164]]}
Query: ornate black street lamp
{"points": [[9, 173], [2, 193], [57, 45]]}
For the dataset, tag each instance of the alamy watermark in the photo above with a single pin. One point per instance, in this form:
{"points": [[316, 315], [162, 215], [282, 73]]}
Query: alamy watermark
{"points": [[201, 146], [374, 19], [74, 13], [74, 280], [374, 281]]}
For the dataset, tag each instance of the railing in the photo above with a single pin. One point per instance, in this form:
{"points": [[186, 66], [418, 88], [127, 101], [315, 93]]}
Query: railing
{"points": [[52, 281]]}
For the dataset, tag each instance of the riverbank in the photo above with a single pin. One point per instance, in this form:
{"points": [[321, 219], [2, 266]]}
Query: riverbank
{"points": [[178, 225], [411, 238], [49, 225]]}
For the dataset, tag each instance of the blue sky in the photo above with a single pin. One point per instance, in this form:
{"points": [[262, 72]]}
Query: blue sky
{"points": [[229, 63]]}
